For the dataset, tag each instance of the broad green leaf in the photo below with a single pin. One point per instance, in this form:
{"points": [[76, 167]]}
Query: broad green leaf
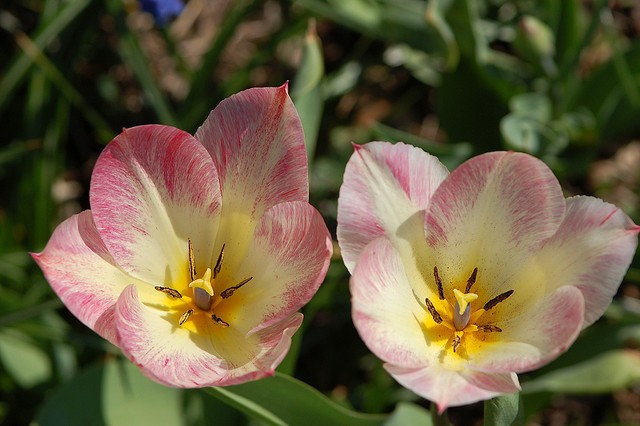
{"points": [[112, 393], [504, 410], [25, 362], [409, 414], [520, 133], [533, 105], [283, 400], [608, 372], [307, 89]]}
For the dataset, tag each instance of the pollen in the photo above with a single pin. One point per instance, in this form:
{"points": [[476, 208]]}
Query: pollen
{"points": [[204, 300], [461, 317]]}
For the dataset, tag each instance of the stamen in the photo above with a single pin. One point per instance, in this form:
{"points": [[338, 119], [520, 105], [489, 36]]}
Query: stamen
{"points": [[472, 279], [432, 310], [170, 291], [488, 328], [438, 282], [499, 298], [216, 269], [185, 316], [219, 321], [192, 262], [229, 292], [456, 343]]}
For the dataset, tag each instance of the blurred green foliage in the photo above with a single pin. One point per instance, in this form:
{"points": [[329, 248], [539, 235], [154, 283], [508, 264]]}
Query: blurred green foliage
{"points": [[557, 79]]}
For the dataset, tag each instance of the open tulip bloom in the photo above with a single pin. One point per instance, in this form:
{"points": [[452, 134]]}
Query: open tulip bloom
{"points": [[460, 281], [198, 251]]}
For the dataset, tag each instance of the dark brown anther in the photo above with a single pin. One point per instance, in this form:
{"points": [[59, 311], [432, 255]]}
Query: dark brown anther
{"points": [[456, 343], [499, 298], [488, 328], [438, 282], [432, 310], [229, 292], [170, 291], [192, 262], [185, 316], [472, 280], [216, 269], [219, 321]]}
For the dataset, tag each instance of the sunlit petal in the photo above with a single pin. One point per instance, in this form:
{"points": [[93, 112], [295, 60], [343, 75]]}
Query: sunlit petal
{"points": [[592, 250], [288, 258], [384, 187], [386, 311], [83, 274], [452, 388], [492, 212], [152, 189]]}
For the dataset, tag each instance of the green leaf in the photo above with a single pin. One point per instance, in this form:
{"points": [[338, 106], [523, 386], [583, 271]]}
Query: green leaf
{"points": [[409, 414], [307, 89], [503, 410], [303, 405], [112, 393], [403, 21], [608, 372], [25, 362]]}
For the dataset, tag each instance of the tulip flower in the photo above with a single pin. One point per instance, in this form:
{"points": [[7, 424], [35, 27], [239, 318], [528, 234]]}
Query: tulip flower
{"points": [[197, 252], [460, 281]]}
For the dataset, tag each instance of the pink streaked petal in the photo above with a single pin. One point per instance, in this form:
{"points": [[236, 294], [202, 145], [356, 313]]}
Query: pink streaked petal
{"points": [[535, 337], [83, 274], [153, 188], [448, 388], [592, 251], [288, 259], [384, 186], [215, 356], [257, 144], [492, 212], [385, 310]]}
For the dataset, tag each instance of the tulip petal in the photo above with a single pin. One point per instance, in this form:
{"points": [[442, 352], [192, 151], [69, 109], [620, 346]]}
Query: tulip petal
{"points": [[153, 188], [217, 356], [384, 186], [385, 311], [536, 336], [83, 274], [257, 144], [288, 260], [592, 250], [492, 212], [448, 388]]}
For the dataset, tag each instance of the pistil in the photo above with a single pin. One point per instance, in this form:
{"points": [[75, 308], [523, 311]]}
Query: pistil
{"points": [[462, 319], [204, 297]]}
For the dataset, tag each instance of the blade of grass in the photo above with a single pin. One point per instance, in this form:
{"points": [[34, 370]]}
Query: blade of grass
{"points": [[18, 70], [196, 105], [133, 55], [105, 133], [307, 90]]}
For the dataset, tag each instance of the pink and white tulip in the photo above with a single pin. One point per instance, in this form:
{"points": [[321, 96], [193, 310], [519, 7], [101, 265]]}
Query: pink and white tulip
{"points": [[197, 252], [460, 281]]}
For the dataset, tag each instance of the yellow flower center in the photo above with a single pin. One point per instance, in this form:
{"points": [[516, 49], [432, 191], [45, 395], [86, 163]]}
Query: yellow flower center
{"points": [[462, 318], [204, 300]]}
